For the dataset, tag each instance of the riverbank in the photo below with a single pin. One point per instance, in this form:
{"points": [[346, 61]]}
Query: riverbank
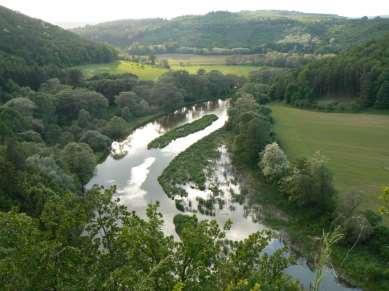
{"points": [[302, 226], [358, 267], [355, 144]]}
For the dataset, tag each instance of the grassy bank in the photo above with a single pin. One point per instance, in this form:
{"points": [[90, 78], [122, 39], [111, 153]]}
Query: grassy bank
{"points": [[181, 131], [356, 145], [363, 265], [148, 72], [189, 165]]}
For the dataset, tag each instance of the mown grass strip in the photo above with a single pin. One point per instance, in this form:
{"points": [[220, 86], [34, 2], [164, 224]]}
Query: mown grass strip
{"points": [[182, 131]]}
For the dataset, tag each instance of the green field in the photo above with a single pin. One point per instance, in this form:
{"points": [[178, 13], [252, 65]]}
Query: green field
{"points": [[190, 59], [356, 145], [144, 72], [148, 72], [225, 69]]}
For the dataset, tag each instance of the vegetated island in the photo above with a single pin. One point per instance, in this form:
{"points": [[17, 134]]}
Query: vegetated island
{"points": [[182, 131], [190, 164]]}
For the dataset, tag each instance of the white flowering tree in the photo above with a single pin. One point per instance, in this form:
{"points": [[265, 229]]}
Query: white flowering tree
{"points": [[274, 162]]}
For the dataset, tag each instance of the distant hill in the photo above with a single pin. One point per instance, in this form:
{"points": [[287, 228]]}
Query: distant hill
{"points": [[42, 43], [245, 31], [32, 50], [120, 33]]}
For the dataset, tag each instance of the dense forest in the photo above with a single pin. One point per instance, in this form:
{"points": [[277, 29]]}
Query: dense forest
{"points": [[357, 78], [237, 33], [31, 50]]}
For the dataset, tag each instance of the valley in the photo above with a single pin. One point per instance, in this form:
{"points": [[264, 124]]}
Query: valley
{"points": [[233, 149]]}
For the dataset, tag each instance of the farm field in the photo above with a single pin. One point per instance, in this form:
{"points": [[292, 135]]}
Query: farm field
{"points": [[190, 59], [355, 144], [148, 72], [144, 72]]}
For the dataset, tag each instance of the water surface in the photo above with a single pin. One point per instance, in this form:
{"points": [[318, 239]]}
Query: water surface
{"points": [[136, 176]]}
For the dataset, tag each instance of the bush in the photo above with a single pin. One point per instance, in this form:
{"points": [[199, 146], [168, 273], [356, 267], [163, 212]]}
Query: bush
{"points": [[274, 163], [357, 229], [310, 184]]}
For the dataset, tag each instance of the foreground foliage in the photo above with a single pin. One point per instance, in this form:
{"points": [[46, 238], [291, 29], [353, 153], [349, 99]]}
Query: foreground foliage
{"points": [[92, 242]]}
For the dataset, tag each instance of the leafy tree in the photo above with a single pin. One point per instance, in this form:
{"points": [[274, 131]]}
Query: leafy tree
{"points": [[241, 106], [383, 93], [71, 101], [12, 120], [254, 135], [137, 105], [168, 96], [48, 166], [79, 160], [53, 86], [84, 119], [111, 85], [30, 136], [116, 128], [310, 183], [22, 105], [274, 163], [96, 140]]}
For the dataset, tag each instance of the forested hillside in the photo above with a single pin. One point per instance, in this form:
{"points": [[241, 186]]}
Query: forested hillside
{"points": [[358, 78], [243, 32], [31, 49]]}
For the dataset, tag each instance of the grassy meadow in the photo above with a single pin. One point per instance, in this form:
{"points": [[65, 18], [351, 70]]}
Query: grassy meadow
{"points": [[145, 72], [193, 60], [355, 144], [148, 72]]}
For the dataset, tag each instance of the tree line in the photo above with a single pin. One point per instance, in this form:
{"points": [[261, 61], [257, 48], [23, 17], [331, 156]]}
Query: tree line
{"points": [[358, 78]]}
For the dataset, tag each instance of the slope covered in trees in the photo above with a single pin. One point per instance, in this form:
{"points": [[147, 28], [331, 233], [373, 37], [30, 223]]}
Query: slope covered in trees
{"points": [[359, 75], [242, 32], [31, 49]]}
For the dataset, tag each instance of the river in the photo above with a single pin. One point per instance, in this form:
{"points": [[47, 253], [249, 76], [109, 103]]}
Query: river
{"points": [[137, 170]]}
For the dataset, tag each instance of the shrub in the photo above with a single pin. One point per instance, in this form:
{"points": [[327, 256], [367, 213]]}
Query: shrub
{"points": [[310, 184], [274, 163], [357, 229]]}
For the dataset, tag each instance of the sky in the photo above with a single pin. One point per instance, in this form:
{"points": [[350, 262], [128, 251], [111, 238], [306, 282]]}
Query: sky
{"points": [[94, 11]]}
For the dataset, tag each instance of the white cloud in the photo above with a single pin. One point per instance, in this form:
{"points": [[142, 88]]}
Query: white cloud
{"points": [[101, 10]]}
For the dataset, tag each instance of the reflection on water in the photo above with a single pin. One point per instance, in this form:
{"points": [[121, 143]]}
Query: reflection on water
{"points": [[134, 170]]}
